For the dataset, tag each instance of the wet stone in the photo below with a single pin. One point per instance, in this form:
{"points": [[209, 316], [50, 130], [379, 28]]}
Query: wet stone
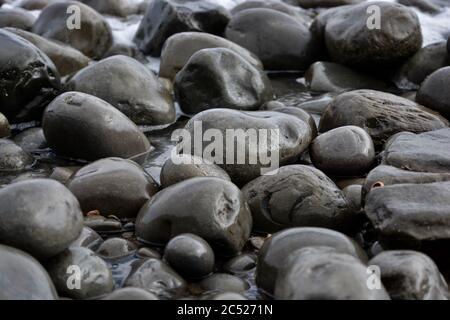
{"points": [[380, 114], [130, 294], [344, 151], [223, 282], [93, 38], [31, 140], [296, 196], [273, 255], [164, 18], [102, 224], [220, 78], [240, 264], [12, 157], [82, 126], [96, 278], [116, 248], [182, 167], [5, 130], [212, 208], [191, 256], [156, 277], [16, 18], [433, 92], [88, 239], [410, 275], [23, 278], [124, 89], [281, 41], [113, 186]]}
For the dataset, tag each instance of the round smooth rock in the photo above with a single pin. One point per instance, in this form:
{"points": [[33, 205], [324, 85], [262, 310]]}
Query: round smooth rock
{"points": [[78, 273], [316, 273], [5, 130], [326, 76], [129, 86], [66, 59], [424, 5], [211, 208], [34, 4], [410, 275], [426, 61], [92, 37], [324, 3], [220, 78], [113, 186], [28, 79], [350, 41], [275, 251], [23, 278], [31, 140], [156, 277], [185, 166], [295, 12], [287, 137], [164, 18], [12, 157], [190, 255], [380, 114], [353, 194], [79, 125], [434, 93], [180, 47], [279, 40], [296, 196], [16, 18], [145, 252], [115, 248], [223, 282], [344, 151], [43, 221], [117, 8], [130, 294]]}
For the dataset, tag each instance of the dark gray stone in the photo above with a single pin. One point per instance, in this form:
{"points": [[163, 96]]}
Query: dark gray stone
{"points": [[190, 256], [276, 250], [423, 5], [79, 125], [23, 278], [95, 278], [28, 79], [434, 92], [93, 38], [130, 294], [88, 239], [222, 282], [118, 8], [344, 151], [44, 220], [156, 277], [164, 18], [16, 18], [296, 196], [220, 78], [279, 40], [211, 208], [380, 114], [13, 158], [116, 248], [113, 186], [318, 273], [66, 59], [129, 86], [31, 140], [240, 264], [322, 3], [410, 275]]}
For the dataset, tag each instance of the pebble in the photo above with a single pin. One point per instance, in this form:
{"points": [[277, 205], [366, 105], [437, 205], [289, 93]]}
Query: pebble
{"points": [[23, 278], [164, 18], [93, 38], [296, 196], [113, 186], [344, 151], [130, 294], [94, 275], [410, 275], [120, 81], [433, 92], [222, 282], [220, 78], [31, 140], [212, 208], [116, 248], [5, 129], [273, 255], [13, 158], [240, 264], [16, 18], [88, 239], [43, 221], [380, 114], [281, 41], [23, 99], [189, 255], [82, 126]]}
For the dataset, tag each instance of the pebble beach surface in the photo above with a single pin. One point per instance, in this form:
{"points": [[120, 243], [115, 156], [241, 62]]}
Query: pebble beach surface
{"points": [[94, 204]]}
